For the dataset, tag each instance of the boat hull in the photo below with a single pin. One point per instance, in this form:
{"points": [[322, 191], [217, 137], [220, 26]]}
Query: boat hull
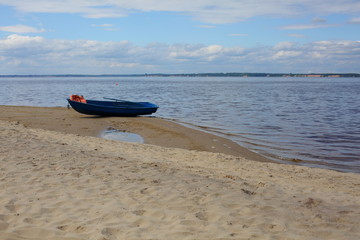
{"points": [[113, 108]]}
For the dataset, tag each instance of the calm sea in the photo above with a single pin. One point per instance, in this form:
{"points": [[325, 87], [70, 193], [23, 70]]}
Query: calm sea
{"points": [[306, 121]]}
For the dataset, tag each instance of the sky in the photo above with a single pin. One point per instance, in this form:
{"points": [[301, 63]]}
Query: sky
{"points": [[179, 36]]}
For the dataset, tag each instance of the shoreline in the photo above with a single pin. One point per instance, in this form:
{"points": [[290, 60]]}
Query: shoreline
{"points": [[154, 131]]}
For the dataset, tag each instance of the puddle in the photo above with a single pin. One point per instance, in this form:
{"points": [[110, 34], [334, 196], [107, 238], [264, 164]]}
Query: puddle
{"points": [[115, 134]]}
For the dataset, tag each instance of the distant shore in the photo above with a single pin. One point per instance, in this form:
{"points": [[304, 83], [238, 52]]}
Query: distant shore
{"points": [[233, 74]]}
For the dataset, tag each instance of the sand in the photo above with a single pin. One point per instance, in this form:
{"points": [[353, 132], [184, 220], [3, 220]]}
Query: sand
{"points": [[56, 185], [155, 131]]}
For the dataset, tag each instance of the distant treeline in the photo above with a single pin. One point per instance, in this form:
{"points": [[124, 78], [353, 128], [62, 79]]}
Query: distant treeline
{"points": [[199, 75]]}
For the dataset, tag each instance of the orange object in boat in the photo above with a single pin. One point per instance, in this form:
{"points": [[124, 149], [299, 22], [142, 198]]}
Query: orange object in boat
{"points": [[78, 98]]}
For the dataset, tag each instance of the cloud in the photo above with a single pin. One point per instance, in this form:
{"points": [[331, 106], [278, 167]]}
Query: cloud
{"points": [[207, 11], [296, 35], [188, 52], [354, 21], [105, 26], [319, 20], [38, 55], [284, 45], [286, 54], [20, 29], [17, 42], [308, 26]]}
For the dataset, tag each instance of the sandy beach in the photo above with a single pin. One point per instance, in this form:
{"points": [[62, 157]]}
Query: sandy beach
{"points": [[155, 131], [59, 182]]}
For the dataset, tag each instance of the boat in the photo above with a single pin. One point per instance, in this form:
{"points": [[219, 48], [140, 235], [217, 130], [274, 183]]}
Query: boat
{"points": [[115, 107]]}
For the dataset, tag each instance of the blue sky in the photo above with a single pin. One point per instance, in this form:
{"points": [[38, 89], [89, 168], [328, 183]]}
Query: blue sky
{"points": [[178, 36]]}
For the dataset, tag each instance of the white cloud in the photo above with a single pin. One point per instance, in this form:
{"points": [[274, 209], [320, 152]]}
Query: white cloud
{"points": [[30, 55], [21, 29], [284, 45], [200, 52], [286, 54], [17, 41], [209, 11]]}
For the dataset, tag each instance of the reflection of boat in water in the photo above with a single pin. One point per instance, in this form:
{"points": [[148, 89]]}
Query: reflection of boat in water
{"points": [[115, 107]]}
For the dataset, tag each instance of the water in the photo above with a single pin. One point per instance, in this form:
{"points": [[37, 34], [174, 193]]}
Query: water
{"points": [[116, 134], [307, 121]]}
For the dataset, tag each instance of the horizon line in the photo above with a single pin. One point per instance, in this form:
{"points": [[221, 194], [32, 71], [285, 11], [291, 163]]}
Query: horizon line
{"points": [[216, 74]]}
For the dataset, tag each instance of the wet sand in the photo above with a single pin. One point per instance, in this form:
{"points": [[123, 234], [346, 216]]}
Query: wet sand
{"points": [[155, 131]]}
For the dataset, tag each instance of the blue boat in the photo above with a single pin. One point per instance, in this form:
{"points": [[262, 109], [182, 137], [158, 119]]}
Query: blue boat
{"points": [[115, 107]]}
